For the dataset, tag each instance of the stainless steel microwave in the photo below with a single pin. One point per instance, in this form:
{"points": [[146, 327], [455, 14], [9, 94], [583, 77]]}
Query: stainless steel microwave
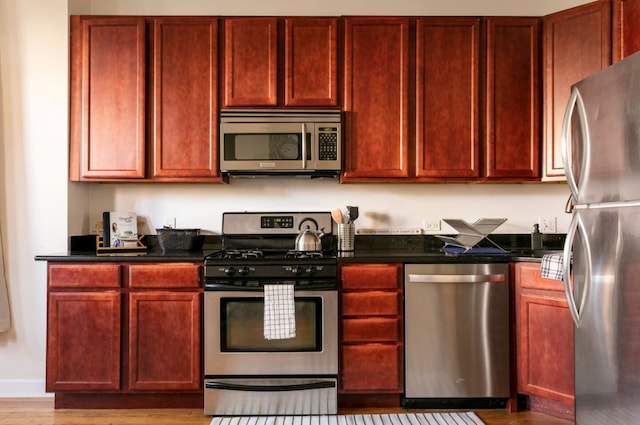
{"points": [[280, 142]]}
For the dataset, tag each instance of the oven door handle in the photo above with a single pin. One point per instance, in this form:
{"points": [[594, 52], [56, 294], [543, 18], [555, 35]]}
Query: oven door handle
{"points": [[293, 387]]}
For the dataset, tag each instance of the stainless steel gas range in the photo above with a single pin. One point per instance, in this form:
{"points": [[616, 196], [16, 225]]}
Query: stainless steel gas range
{"points": [[248, 369]]}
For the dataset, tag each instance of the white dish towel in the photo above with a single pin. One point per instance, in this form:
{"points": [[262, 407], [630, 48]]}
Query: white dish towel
{"points": [[279, 311], [551, 266], [5, 313]]}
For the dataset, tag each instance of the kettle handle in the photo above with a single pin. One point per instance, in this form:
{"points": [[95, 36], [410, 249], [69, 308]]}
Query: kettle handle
{"points": [[307, 219]]}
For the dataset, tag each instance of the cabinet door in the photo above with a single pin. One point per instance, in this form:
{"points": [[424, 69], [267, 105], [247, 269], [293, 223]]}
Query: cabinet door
{"points": [[164, 341], [577, 43], [83, 341], [544, 337], [626, 28], [371, 276], [371, 368], [164, 275], [311, 62], [447, 116], [250, 62], [512, 129], [376, 98], [107, 98], [185, 98]]}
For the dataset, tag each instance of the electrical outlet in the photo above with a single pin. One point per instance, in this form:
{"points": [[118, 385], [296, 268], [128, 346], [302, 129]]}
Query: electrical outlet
{"points": [[432, 225], [170, 223], [547, 224]]}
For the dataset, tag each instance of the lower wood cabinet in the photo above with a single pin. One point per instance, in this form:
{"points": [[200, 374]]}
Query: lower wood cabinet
{"points": [[128, 330], [545, 352], [371, 348]]}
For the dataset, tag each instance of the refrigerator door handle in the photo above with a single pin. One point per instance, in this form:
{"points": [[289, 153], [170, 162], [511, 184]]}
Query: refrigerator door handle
{"points": [[576, 312], [575, 102]]}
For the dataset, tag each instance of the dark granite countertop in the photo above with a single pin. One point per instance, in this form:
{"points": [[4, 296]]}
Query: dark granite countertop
{"points": [[368, 248]]}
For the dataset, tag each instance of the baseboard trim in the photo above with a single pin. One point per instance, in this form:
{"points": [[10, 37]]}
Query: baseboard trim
{"points": [[23, 388]]}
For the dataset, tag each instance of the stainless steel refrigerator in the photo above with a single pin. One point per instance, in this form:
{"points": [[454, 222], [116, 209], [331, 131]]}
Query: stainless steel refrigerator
{"points": [[601, 153]]}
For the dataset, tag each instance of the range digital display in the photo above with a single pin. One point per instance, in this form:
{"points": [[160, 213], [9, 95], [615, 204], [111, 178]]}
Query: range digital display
{"points": [[276, 222]]}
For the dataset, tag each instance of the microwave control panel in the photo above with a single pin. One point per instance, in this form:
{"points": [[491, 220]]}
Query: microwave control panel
{"points": [[328, 144]]}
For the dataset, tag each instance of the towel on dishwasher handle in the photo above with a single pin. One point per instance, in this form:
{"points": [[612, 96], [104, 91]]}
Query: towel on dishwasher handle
{"points": [[551, 266], [279, 311]]}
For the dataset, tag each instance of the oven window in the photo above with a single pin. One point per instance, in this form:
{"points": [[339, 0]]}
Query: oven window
{"points": [[242, 326], [265, 147]]}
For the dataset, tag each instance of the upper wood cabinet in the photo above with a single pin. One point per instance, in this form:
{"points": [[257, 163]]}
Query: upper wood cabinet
{"points": [[108, 93], [512, 99], [626, 28], [185, 98], [447, 96], [577, 43], [376, 98], [143, 99], [251, 62], [443, 140], [257, 73]]}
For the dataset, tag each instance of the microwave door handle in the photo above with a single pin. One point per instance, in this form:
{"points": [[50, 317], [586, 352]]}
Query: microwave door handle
{"points": [[304, 146]]}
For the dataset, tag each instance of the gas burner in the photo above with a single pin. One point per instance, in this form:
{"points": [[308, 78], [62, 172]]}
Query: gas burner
{"points": [[242, 254], [303, 254]]}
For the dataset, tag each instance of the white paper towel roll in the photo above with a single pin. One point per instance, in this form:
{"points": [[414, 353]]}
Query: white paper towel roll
{"points": [[5, 313]]}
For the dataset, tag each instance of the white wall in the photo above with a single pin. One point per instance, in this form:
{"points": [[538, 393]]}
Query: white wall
{"points": [[39, 208]]}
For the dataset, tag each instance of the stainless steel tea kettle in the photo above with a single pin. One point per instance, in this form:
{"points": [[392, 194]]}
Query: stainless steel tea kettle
{"points": [[307, 239]]}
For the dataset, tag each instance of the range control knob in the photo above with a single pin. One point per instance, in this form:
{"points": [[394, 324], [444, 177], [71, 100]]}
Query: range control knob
{"points": [[229, 271], [243, 270], [297, 270], [311, 270]]}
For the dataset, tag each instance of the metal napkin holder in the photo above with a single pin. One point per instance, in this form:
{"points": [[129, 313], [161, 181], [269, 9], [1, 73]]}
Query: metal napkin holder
{"points": [[469, 235]]}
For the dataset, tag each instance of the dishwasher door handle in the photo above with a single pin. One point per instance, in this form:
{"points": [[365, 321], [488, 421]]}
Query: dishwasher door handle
{"points": [[454, 278]]}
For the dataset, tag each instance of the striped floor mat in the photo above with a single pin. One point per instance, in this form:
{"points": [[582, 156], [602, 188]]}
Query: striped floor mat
{"points": [[463, 418]]}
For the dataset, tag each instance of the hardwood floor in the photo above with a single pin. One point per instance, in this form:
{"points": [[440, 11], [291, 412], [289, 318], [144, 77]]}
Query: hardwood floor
{"points": [[30, 411]]}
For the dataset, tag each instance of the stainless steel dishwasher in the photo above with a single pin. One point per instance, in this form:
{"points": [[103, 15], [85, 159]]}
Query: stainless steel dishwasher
{"points": [[456, 335]]}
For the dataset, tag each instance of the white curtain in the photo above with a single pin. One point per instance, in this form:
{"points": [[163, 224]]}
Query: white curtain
{"points": [[5, 313]]}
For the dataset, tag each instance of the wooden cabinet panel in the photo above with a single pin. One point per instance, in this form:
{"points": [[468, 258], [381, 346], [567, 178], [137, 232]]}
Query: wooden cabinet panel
{"points": [[370, 303], [512, 120], [447, 87], [111, 97], [544, 335], [185, 97], [362, 371], [83, 341], [369, 329], [250, 62], [376, 98], [577, 43], [626, 28], [311, 62], [172, 275], [164, 341], [546, 369], [371, 276], [69, 275]]}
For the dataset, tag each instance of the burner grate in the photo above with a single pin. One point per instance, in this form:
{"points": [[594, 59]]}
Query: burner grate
{"points": [[303, 254]]}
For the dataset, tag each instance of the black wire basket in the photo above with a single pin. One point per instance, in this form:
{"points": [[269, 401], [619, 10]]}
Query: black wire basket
{"points": [[179, 240]]}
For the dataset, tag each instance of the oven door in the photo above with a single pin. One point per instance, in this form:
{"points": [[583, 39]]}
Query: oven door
{"points": [[235, 344]]}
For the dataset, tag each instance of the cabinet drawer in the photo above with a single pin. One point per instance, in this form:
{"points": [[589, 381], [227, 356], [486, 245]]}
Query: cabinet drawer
{"points": [[168, 275], [83, 275], [371, 276], [373, 303], [375, 329], [362, 371], [531, 278]]}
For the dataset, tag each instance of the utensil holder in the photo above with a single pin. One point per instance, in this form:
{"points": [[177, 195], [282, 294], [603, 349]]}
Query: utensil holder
{"points": [[346, 236]]}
